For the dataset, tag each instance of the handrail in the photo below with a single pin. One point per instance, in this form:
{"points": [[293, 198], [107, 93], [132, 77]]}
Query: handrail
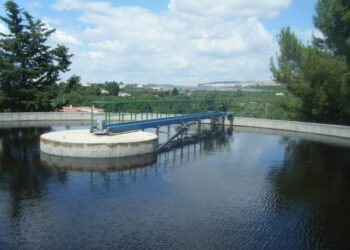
{"points": [[152, 123]]}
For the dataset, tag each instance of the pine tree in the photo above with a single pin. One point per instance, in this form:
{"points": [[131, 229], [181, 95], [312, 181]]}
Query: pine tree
{"points": [[29, 68], [333, 20], [319, 73]]}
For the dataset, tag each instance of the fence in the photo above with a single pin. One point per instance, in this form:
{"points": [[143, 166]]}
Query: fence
{"points": [[150, 109], [144, 110]]}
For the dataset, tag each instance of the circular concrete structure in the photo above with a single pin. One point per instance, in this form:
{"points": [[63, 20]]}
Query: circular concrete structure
{"points": [[82, 143]]}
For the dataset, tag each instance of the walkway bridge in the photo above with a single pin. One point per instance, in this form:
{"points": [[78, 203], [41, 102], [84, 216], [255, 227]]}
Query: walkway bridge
{"points": [[121, 117]]}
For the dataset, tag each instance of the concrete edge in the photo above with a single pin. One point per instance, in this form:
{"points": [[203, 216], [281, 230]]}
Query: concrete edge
{"points": [[303, 127]]}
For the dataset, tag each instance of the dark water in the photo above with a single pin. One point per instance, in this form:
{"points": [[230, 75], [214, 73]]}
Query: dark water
{"points": [[245, 191]]}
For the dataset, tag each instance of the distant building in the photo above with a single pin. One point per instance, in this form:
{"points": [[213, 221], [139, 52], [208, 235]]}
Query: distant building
{"points": [[236, 84], [85, 84], [104, 92], [280, 94], [160, 88], [121, 94], [79, 109]]}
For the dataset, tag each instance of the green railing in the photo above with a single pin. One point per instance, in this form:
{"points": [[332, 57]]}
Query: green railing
{"points": [[143, 110], [122, 111]]}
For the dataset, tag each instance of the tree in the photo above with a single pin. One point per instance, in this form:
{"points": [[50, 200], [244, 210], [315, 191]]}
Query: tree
{"points": [[72, 84], [333, 20], [112, 88], [29, 69], [317, 74], [174, 91]]}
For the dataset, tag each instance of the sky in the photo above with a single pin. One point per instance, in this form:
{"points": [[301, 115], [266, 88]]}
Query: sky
{"points": [[182, 42]]}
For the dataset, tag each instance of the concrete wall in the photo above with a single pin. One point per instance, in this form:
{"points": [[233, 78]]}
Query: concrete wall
{"points": [[313, 128], [73, 116], [44, 116]]}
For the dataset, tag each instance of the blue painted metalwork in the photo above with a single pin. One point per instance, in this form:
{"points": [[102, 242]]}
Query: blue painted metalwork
{"points": [[137, 125]]}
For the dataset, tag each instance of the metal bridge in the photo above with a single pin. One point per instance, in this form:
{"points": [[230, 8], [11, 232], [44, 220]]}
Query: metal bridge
{"points": [[129, 110], [124, 116], [108, 129]]}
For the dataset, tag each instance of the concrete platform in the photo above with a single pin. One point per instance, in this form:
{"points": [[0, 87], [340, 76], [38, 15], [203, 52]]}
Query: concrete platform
{"points": [[81, 143]]}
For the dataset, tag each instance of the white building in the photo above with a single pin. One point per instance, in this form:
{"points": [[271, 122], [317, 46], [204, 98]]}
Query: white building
{"points": [[121, 94]]}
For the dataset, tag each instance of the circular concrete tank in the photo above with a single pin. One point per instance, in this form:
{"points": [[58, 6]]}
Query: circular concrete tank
{"points": [[82, 143]]}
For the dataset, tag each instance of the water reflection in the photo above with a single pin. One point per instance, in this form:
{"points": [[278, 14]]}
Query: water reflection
{"points": [[254, 189], [96, 164], [312, 188], [337, 141], [20, 171]]}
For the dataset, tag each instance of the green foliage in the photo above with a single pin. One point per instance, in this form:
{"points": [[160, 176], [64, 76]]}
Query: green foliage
{"points": [[175, 91], [319, 74], [333, 20], [112, 88], [319, 78], [246, 104], [263, 103], [164, 93], [72, 84], [29, 68]]}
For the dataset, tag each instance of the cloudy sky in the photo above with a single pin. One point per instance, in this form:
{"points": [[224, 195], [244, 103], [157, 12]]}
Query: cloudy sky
{"points": [[171, 41]]}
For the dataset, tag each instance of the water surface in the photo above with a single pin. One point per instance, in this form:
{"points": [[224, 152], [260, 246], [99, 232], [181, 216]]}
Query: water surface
{"points": [[248, 190]]}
